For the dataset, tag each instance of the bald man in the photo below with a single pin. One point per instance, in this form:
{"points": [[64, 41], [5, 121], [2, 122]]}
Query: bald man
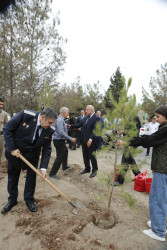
{"points": [[89, 140]]}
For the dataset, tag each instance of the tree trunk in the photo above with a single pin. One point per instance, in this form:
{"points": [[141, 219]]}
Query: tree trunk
{"points": [[112, 187]]}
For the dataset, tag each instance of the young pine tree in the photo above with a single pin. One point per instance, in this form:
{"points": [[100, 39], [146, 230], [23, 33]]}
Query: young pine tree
{"points": [[121, 121]]}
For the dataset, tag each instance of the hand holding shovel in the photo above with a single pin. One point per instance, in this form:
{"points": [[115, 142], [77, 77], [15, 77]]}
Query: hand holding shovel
{"points": [[45, 179]]}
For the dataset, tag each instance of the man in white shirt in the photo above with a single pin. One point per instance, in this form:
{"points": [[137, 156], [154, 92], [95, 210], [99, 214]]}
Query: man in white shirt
{"points": [[152, 127]]}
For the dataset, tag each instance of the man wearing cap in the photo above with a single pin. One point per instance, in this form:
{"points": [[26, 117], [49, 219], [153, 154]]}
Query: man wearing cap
{"points": [[27, 133], [3, 121], [152, 127]]}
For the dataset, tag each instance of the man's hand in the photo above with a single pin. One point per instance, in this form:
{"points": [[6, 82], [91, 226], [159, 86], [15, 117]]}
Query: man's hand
{"points": [[119, 143], [79, 129], [68, 125], [73, 140], [44, 173], [15, 152], [120, 132], [89, 143]]}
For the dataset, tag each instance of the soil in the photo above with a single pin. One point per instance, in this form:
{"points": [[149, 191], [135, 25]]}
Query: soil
{"points": [[58, 225]]}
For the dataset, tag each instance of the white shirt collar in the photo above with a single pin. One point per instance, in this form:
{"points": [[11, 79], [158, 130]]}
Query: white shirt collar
{"points": [[38, 122], [92, 115]]}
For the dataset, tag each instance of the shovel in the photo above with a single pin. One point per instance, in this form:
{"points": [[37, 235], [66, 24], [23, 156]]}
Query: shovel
{"points": [[46, 180]]}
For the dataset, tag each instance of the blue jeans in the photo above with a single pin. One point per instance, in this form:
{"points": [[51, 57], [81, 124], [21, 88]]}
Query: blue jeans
{"points": [[158, 203]]}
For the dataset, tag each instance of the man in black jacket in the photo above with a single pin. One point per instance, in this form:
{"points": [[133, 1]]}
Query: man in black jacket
{"points": [[78, 132], [27, 133], [89, 140]]}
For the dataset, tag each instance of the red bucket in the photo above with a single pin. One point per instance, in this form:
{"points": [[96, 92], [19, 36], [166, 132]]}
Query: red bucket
{"points": [[148, 182], [139, 184], [116, 174]]}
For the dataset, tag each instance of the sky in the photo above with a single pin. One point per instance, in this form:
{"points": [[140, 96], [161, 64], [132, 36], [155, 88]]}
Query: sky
{"points": [[105, 34]]}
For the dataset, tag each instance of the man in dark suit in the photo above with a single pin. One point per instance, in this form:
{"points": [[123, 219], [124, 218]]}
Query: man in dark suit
{"points": [[89, 140], [78, 132], [27, 133]]}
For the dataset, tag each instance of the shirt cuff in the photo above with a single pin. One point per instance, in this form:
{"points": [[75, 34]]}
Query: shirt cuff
{"points": [[43, 169], [90, 139]]}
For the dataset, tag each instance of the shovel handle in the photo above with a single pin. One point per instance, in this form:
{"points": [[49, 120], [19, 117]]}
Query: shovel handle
{"points": [[45, 179]]}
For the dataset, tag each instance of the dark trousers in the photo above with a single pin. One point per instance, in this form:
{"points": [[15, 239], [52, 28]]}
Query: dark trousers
{"points": [[62, 155], [72, 134], [99, 142], [78, 135], [14, 168], [127, 161], [89, 156], [148, 151]]}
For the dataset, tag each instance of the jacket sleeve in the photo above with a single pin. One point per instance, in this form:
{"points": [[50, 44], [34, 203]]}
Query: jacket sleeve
{"points": [[78, 125], [5, 118], [10, 128], [94, 127], [158, 138], [46, 152], [61, 130]]}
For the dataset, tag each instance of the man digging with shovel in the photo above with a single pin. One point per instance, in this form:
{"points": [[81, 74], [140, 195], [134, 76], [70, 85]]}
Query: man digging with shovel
{"points": [[27, 133]]}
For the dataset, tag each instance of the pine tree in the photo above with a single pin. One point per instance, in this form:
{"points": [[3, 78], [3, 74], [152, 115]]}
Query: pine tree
{"points": [[115, 88], [121, 120], [158, 91], [32, 52]]}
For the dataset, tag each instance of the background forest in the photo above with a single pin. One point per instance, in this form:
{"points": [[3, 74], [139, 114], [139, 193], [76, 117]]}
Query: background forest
{"points": [[32, 57]]}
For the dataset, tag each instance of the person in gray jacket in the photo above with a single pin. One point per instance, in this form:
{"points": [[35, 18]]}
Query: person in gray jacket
{"points": [[59, 137], [158, 191]]}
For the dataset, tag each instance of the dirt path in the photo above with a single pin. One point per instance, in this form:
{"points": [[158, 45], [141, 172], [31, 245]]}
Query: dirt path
{"points": [[57, 226]]}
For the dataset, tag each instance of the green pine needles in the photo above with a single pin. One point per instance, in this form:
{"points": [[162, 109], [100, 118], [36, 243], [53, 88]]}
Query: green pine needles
{"points": [[121, 124]]}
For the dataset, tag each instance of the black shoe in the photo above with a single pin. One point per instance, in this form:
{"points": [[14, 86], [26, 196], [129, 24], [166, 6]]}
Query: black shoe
{"points": [[54, 176], [78, 146], [66, 168], [31, 206], [8, 207], [147, 155], [72, 148], [84, 171], [93, 174]]}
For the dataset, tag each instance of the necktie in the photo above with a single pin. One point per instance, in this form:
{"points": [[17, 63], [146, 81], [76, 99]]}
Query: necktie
{"points": [[37, 133], [87, 119]]}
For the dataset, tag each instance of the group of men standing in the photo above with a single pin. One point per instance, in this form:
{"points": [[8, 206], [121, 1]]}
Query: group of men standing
{"points": [[86, 124], [30, 133]]}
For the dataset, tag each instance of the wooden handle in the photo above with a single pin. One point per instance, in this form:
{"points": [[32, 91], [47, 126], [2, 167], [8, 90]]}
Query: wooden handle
{"points": [[45, 179]]}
